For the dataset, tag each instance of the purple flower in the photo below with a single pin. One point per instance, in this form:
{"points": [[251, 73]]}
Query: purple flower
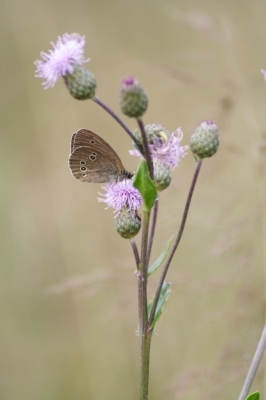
{"points": [[129, 82], [121, 195], [264, 73], [67, 52], [169, 152]]}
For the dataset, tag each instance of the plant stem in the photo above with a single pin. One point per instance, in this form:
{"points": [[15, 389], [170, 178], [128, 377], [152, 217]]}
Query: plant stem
{"points": [[146, 147], [144, 270], [145, 366], [124, 126], [135, 251], [177, 241], [254, 366], [144, 337], [154, 220]]}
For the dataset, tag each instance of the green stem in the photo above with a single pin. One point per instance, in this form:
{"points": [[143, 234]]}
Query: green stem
{"points": [[145, 365], [144, 271], [145, 337]]}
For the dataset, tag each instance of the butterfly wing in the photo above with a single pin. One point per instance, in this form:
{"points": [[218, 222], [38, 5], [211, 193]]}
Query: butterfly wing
{"points": [[89, 164], [84, 137]]}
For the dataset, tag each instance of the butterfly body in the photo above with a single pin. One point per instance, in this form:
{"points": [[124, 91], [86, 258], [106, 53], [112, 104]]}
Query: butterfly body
{"points": [[92, 159]]}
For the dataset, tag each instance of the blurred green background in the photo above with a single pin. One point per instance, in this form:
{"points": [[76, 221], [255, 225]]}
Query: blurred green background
{"points": [[68, 290]]}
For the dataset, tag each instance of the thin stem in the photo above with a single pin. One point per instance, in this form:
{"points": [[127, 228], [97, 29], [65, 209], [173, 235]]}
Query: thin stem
{"points": [[144, 270], [146, 147], [135, 251], [254, 366], [177, 241], [140, 308], [143, 310], [154, 220], [113, 114]]}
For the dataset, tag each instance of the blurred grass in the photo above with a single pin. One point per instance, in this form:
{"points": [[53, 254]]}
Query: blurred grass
{"points": [[68, 309]]}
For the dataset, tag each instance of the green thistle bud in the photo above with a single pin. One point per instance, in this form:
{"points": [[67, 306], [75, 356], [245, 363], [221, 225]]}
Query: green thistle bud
{"points": [[204, 141], [154, 133], [133, 99], [128, 223], [81, 83], [162, 175]]}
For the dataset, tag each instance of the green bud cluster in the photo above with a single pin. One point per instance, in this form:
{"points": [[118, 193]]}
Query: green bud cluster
{"points": [[128, 224], [162, 175], [81, 83], [133, 99], [204, 141]]}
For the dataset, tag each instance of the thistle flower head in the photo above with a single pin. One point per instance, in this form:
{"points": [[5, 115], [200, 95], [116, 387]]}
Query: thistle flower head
{"points": [[133, 99], [167, 150], [155, 134], [128, 223], [204, 142], [162, 175], [66, 54], [121, 195]]}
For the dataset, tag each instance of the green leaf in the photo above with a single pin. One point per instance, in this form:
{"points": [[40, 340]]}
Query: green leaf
{"points": [[254, 396], [161, 258], [145, 185], [165, 293]]}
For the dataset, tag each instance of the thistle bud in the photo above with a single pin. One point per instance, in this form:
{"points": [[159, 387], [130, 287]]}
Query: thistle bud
{"points": [[128, 223], [81, 83], [156, 134], [133, 99], [162, 175], [204, 141]]}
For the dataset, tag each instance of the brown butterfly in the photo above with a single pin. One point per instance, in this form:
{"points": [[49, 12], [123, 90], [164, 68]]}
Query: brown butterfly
{"points": [[92, 159]]}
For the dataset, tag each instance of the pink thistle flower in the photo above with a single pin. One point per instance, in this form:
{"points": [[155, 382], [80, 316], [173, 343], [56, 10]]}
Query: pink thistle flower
{"points": [[129, 82], [264, 73], [67, 53], [169, 152], [121, 195]]}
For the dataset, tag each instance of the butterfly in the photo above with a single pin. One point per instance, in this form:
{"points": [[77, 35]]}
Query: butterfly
{"points": [[92, 159]]}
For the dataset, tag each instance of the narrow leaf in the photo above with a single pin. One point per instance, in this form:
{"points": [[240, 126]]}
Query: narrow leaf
{"points": [[145, 185], [254, 396], [165, 293], [161, 258]]}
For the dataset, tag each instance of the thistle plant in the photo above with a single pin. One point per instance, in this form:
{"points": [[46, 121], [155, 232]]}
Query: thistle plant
{"points": [[160, 152]]}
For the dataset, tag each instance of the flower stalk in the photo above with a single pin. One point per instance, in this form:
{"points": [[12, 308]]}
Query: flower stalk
{"points": [[145, 340], [146, 147]]}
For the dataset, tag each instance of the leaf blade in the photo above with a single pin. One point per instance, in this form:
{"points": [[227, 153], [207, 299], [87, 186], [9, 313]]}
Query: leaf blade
{"points": [[145, 185], [161, 258]]}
